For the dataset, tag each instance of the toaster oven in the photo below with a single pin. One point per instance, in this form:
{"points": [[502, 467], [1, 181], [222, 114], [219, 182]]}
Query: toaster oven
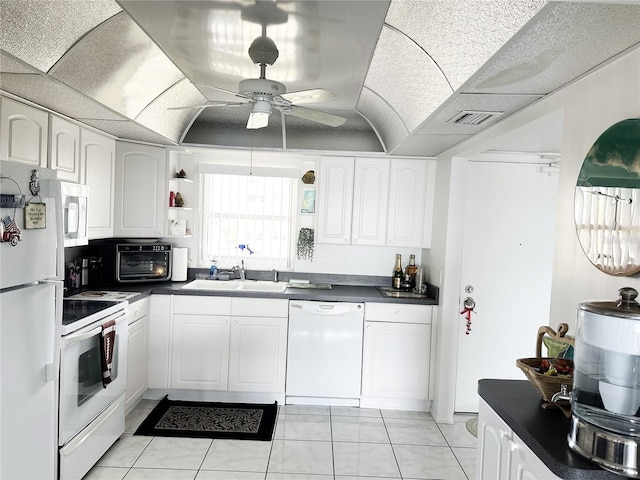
{"points": [[136, 262]]}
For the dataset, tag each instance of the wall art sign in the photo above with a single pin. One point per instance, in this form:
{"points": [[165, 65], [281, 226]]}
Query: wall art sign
{"points": [[35, 216]]}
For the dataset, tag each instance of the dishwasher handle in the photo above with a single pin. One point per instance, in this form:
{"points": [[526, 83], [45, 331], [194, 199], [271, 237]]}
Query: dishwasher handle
{"points": [[302, 307]]}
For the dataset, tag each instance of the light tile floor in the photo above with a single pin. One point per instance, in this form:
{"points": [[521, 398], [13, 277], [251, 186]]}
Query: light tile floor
{"points": [[309, 443]]}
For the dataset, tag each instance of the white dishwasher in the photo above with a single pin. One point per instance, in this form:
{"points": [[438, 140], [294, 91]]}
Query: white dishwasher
{"points": [[324, 353]]}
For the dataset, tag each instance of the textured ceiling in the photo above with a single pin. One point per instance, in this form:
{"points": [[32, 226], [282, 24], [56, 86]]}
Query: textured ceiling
{"points": [[398, 70]]}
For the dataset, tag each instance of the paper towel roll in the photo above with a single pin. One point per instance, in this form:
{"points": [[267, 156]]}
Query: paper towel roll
{"points": [[179, 265]]}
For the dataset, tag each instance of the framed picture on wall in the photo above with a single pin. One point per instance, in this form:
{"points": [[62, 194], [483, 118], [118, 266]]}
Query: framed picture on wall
{"points": [[308, 201]]}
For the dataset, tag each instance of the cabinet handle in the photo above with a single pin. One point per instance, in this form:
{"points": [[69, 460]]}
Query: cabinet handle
{"points": [[513, 446], [502, 434], [235, 322]]}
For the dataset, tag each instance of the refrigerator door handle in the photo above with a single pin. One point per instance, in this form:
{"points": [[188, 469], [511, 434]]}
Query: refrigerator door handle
{"points": [[53, 368], [59, 232]]}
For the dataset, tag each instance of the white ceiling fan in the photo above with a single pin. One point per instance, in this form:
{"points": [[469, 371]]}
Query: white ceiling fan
{"points": [[265, 94]]}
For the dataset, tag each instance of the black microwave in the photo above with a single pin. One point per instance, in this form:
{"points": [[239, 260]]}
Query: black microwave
{"points": [[136, 262]]}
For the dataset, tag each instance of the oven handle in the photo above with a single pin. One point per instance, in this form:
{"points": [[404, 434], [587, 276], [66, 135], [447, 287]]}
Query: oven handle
{"points": [[81, 337]]}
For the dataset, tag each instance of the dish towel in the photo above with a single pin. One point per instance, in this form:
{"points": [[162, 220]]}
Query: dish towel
{"points": [[106, 350]]}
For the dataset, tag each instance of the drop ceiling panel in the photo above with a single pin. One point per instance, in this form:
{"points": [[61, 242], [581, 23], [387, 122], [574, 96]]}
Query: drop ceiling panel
{"points": [[44, 91], [439, 123], [323, 44], [384, 118], [119, 66], [8, 64], [129, 130], [406, 78], [564, 41], [427, 145], [172, 123], [40, 32], [460, 36]]}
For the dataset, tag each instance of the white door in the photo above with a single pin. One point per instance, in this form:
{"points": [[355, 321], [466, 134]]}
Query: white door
{"points": [[507, 259]]}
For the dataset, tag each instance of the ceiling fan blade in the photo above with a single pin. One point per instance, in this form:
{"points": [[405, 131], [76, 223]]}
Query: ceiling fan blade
{"points": [[210, 104], [316, 116], [308, 96]]}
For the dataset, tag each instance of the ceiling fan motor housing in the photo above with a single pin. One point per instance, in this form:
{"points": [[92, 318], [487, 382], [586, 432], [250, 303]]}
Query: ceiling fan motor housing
{"points": [[263, 51], [261, 86]]}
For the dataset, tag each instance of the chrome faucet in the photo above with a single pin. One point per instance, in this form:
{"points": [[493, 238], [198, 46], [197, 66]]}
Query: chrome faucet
{"points": [[240, 269], [563, 394], [275, 275]]}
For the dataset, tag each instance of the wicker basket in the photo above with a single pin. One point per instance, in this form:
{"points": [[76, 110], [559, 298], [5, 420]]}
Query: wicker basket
{"points": [[546, 385]]}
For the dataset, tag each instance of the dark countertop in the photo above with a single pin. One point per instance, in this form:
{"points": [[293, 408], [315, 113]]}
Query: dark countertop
{"points": [[544, 431], [338, 293]]}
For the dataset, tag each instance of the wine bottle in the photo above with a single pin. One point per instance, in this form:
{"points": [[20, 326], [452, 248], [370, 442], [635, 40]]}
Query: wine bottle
{"points": [[396, 278], [412, 270]]}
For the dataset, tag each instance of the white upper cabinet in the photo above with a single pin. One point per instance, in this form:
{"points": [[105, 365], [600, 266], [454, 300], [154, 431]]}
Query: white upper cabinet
{"points": [[370, 201], [335, 196], [65, 149], [98, 160], [24, 133], [406, 203], [140, 190]]}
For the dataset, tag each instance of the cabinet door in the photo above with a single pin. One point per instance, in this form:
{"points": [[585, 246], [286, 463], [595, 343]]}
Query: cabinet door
{"points": [[137, 354], [370, 201], [140, 182], [200, 352], [98, 159], [406, 202], [334, 200], [395, 361], [525, 465], [159, 340], [65, 149], [494, 457], [257, 354], [24, 133]]}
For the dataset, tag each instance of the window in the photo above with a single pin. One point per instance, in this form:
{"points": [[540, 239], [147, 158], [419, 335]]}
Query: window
{"points": [[248, 218]]}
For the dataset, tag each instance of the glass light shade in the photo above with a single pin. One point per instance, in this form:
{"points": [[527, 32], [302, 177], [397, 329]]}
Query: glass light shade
{"points": [[259, 117]]}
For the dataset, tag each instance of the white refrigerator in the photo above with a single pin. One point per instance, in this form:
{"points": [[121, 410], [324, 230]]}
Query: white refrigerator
{"points": [[31, 291]]}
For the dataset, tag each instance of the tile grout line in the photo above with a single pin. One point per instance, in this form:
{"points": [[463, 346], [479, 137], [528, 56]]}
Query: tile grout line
{"points": [[393, 450]]}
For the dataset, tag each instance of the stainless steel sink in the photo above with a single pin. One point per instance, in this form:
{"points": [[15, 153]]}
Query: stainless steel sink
{"points": [[236, 285], [392, 292]]}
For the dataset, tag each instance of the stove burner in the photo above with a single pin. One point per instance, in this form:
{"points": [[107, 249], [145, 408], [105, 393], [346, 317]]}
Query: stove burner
{"points": [[74, 310], [104, 294]]}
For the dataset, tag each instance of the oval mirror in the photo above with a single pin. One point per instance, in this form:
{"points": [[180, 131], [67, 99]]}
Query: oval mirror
{"points": [[607, 200]]}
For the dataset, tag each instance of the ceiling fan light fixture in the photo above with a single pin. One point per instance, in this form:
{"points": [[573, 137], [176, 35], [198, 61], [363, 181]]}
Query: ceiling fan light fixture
{"points": [[259, 116]]}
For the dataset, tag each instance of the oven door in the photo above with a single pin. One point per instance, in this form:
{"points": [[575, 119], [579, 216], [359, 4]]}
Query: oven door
{"points": [[82, 394]]}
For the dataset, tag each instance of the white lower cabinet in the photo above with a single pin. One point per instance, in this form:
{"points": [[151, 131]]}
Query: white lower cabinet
{"points": [[502, 455], [200, 352], [221, 344], [396, 356], [257, 354], [137, 353]]}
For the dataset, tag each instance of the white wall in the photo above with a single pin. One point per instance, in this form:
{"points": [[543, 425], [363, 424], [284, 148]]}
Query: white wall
{"points": [[589, 107]]}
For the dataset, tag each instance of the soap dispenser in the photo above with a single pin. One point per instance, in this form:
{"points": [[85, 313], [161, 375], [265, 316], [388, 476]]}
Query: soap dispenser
{"points": [[213, 270]]}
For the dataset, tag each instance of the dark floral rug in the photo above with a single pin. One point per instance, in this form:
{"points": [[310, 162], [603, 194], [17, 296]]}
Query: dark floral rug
{"points": [[241, 421]]}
